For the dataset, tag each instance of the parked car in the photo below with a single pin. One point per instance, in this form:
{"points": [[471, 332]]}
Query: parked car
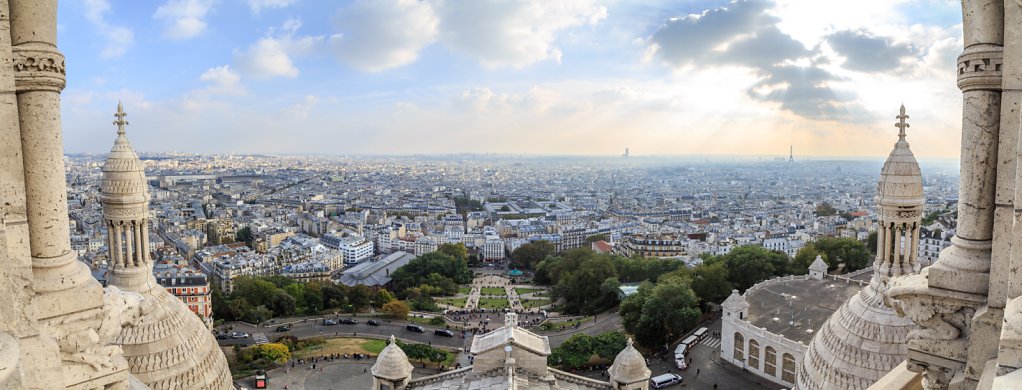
{"points": [[283, 328], [329, 322], [415, 328], [662, 381], [349, 321], [373, 322], [443, 332], [239, 335], [223, 336]]}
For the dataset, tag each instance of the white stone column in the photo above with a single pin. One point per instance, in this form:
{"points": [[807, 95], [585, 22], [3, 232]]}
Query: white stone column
{"points": [[1009, 355], [881, 236], [965, 266], [115, 250], [129, 250], [896, 260], [913, 263]]}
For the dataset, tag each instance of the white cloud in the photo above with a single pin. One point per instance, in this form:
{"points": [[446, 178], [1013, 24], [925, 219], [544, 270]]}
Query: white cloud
{"points": [[378, 35], [512, 33], [118, 38], [258, 5], [271, 56], [223, 80], [184, 18], [301, 109]]}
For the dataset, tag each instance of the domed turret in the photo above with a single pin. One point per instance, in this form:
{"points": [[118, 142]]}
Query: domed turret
{"points": [[170, 347], [901, 182], [392, 367], [864, 339], [629, 371]]}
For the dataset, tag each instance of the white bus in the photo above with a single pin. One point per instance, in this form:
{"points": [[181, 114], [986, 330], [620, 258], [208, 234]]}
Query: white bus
{"points": [[700, 333]]}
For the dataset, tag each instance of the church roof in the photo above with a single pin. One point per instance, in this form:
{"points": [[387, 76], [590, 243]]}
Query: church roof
{"points": [[392, 364], [510, 333], [818, 265], [735, 302], [629, 366]]}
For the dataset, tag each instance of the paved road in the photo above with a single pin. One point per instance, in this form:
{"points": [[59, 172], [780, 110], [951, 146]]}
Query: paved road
{"points": [[315, 328]]}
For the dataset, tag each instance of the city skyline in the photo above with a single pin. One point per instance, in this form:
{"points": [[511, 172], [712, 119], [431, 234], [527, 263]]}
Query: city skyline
{"points": [[672, 79]]}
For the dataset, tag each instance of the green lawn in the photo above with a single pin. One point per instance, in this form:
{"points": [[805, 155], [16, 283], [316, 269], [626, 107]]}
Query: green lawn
{"points": [[493, 303], [465, 290], [531, 303], [456, 302], [526, 290], [493, 291]]}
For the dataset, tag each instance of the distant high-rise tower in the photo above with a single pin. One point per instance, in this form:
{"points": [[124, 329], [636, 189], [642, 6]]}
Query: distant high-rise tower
{"points": [[626, 152], [791, 153]]}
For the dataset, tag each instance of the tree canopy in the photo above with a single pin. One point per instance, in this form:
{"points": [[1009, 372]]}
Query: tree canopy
{"points": [[658, 314], [438, 270], [529, 255]]}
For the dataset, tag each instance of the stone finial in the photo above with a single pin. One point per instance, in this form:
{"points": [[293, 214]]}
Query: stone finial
{"points": [[901, 125], [120, 122]]}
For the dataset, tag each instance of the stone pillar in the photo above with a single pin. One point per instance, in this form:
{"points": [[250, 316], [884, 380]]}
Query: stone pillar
{"points": [[1009, 354], [881, 239], [949, 299]]}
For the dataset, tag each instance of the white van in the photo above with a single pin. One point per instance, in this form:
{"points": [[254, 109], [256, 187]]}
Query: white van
{"points": [[662, 381]]}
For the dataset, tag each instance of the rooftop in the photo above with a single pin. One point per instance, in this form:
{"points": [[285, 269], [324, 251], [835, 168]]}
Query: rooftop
{"points": [[796, 309]]}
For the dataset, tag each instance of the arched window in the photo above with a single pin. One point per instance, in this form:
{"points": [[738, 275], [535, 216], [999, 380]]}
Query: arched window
{"points": [[753, 354], [770, 361], [788, 368], [739, 346]]}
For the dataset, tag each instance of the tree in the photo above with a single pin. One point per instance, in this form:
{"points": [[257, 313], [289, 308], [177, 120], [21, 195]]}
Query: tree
{"points": [[607, 345], [418, 271], [824, 209], [245, 235], [750, 264], [709, 282], [803, 259], [457, 251], [844, 250], [258, 314], [358, 298], [396, 309], [658, 314], [282, 304], [272, 352], [383, 297], [529, 255], [582, 287], [574, 352]]}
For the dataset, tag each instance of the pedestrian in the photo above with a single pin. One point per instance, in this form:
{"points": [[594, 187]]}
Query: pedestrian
{"points": [[366, 370], [697, 372]]}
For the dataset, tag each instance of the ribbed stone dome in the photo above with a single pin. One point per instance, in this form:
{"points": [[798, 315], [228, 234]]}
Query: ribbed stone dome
{"points": [[124, 183], [629, 366], [392, 364]]}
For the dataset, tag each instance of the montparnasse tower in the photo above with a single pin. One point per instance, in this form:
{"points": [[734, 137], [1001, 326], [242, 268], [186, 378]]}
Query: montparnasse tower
{"points": [[170, 347], [864, 339]]}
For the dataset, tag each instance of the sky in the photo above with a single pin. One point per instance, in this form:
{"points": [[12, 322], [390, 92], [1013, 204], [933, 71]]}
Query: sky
{"points": [[565, 77]]}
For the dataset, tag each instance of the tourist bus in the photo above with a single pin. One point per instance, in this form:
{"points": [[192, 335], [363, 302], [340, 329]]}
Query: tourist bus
{"points": [[700, 333]]}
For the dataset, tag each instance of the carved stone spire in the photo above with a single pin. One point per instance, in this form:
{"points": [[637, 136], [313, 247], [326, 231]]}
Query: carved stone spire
{"points": [[188, 357], [864, 339]]}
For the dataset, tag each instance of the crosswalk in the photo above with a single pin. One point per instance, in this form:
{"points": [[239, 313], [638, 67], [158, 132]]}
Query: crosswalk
{"points": [[260, 338], [711, 342]]}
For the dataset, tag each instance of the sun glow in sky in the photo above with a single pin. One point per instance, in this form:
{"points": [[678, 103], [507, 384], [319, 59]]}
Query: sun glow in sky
{"points": [[529, 76]]}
